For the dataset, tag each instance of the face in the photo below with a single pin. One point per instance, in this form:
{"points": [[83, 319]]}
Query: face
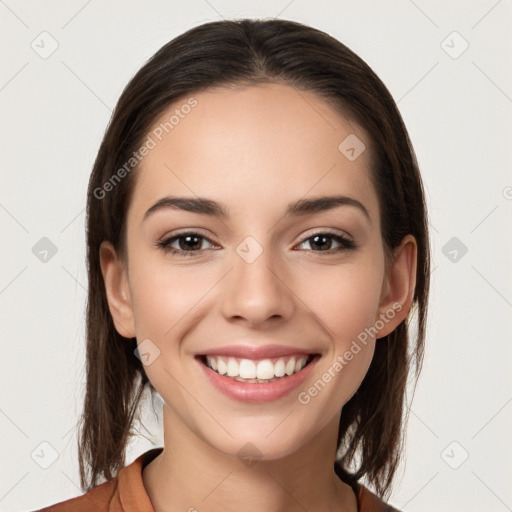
{"points": [[279, 280]]}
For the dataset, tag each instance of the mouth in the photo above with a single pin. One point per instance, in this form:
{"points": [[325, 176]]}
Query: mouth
{"points": [[257, 371]]}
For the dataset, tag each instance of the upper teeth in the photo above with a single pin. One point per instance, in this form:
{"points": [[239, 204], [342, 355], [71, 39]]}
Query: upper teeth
{"points": [[249, 369]]}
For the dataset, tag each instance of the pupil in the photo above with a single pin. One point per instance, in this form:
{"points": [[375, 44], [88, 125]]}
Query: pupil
{"points": [[320, 237], [188, 239]]}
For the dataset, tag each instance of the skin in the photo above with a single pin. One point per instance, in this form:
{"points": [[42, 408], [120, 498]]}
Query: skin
{"points": [[254, 150]]}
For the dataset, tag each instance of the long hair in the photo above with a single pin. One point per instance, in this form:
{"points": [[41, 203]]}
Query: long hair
{"points": [[252, 52]]}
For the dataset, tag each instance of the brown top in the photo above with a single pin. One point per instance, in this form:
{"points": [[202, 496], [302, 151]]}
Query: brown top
{"points": [[126, 493]]}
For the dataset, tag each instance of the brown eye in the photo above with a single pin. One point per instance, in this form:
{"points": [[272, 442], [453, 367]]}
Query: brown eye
{"points": [[187, 243], [323, 242]]}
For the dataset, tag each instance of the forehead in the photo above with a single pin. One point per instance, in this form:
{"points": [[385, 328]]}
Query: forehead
{"points": [[243, 145]]}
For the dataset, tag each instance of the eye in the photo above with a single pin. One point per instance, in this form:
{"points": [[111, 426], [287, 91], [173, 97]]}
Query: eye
{"points": [[324, 241], [191, 242], [188, 243]]}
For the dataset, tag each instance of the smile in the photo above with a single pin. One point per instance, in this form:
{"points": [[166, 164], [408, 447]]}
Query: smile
{"points": [[256, 374], [257, 371]]}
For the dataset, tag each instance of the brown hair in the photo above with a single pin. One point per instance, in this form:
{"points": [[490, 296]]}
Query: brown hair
{"points": [[250, 52]]}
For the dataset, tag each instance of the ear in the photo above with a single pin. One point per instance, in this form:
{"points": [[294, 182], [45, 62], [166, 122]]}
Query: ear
{"points": [[398, 287], [117, 290]]}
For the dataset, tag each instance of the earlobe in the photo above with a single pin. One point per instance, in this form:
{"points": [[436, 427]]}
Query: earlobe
{"points": [[116, 286], [398, 287]]}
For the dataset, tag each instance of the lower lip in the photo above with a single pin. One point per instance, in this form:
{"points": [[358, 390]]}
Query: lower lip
{"points": [[254, 392]]}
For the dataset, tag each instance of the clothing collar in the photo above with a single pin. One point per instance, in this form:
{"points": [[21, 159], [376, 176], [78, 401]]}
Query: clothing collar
{"points": [[131, 495]]}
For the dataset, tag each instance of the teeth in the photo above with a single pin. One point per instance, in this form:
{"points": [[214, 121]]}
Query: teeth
{"points": [[255, 371], [279, 368], [222, 367], [265, 370], [232, 368], [248, 370]]}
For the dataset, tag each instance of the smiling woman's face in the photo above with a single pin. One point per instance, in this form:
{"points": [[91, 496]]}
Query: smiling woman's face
{"points": [[310, 280]]}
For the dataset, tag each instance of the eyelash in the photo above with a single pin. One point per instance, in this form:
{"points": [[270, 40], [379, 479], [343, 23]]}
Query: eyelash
{"points": [[346, 244]]}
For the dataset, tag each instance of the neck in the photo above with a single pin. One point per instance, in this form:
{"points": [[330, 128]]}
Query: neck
{"points": [[191, 475]]}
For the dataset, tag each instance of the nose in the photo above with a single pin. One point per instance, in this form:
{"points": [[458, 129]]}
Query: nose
{"points": [[258, 292]]}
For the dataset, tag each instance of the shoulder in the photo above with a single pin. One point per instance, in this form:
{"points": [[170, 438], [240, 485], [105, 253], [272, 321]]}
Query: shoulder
{"points": [[369, 502], [123, 492], [97, 499]]}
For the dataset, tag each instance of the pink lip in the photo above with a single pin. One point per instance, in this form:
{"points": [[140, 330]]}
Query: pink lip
{"points": [[252, 352], [254, 392]]}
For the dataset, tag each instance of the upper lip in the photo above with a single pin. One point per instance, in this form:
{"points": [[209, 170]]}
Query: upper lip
{"points": [[255, 352]]}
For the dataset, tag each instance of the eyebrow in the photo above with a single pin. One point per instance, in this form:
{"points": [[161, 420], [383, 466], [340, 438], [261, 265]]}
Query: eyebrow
{"points": [[209, 207]]}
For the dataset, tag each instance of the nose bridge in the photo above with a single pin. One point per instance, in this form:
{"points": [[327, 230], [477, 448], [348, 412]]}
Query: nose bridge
{"points": [[256, 291]]}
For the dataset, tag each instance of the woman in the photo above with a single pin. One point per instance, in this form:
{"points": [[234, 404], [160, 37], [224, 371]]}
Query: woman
{"points": [[257, 243]]}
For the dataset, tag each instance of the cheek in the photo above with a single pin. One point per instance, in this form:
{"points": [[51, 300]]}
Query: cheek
{"points": [[345, 300], [166, 304], [163, 297]]}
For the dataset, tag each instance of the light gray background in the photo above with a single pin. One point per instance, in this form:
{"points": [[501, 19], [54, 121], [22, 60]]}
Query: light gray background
{"points": [[458, 110]]}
